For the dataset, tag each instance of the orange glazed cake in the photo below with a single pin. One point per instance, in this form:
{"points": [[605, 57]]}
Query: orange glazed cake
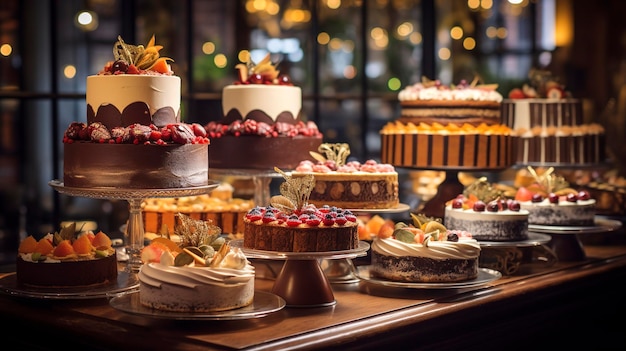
{"points": [[291, 224], [352, 185], [435, 145], [66, 260], [219, 206]]}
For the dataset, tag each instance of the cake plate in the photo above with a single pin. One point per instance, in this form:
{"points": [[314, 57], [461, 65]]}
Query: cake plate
{"points": [[135, 229], [301, 281], [261, 179], [508, 256], [566, 241]]}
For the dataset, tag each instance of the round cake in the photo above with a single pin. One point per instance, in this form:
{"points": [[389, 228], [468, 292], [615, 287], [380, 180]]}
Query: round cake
{"points": [[487, 214], [202, 273], [291, 224], [446, 146], [549, 125], [430, 102], [262, 120], [64, 260], [428, 255], [351, 185], [133, 137], [551, 201]]}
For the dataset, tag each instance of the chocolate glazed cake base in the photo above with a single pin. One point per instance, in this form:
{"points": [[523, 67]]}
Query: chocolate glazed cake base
{"points": [[258, 152], [87, 165], [423, 270]]}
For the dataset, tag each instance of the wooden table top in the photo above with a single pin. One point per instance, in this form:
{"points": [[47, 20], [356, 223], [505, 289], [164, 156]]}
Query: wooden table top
{"points": [[365, 315]]}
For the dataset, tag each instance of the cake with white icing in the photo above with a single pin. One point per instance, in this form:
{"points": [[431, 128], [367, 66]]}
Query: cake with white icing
{"points": [[262, 125], [487, 214], [427, 253], [203, 273]]}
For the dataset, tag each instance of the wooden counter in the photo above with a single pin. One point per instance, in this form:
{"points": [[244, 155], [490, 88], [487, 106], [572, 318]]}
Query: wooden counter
{"points": [[568, 304]]}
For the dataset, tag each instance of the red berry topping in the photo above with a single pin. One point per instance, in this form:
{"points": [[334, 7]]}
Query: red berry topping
{"points": [[328, 220], [536, 198], [584, 195], [479, 206], [269, 217], [340, 219], [571, 197], [293, 221], [514, 205], [493, 206], [313, 221], [553, 198], [457, 203]]}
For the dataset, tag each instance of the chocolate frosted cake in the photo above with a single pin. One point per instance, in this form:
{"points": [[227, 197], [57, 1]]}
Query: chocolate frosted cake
{"points": [[370, 185], [262, 126], [133, 137]]}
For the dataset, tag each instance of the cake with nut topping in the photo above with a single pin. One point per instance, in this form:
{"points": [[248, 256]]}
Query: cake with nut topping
{"points": [[133, 137], [352, 185], [291, 224], [262, 126]]}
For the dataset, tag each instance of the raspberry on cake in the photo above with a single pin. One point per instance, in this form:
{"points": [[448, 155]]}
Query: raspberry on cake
{"points": [[425, 252], [550, 200], [291, 224], [354, 185], [133, 137], [64, 259], [262, 126], [202, 273], [485, 212]]}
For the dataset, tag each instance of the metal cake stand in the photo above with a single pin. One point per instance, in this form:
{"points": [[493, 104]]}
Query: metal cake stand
{"points": [[135, 229]]}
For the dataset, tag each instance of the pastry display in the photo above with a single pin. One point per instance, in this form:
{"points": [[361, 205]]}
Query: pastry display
{"points": [[550, 200], [262, 119], [291, 224], [369, 185], [550, 125], [133, 137], [485, 212], [202, 273], [220, 207], [425, 252], [66, 260]]}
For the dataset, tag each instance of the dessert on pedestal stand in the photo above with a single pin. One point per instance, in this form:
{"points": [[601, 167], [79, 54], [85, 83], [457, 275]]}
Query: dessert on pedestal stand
{"points": [[301, 281], [135, 230], [260, 178]]}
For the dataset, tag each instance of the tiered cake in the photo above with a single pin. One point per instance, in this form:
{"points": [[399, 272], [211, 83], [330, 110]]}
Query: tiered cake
{"points": [[549, 125], [262, 125], [133, 137]]}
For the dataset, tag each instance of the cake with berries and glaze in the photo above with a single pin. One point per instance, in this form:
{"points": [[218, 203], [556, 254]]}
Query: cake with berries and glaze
{"points": [[350, 185], [262, 119], [448, 127], [133, 137], [430, 102], [483, 211], [551, 201], [202, 273], [291, 224], [550, 126], [425, 252], [66, 260]]}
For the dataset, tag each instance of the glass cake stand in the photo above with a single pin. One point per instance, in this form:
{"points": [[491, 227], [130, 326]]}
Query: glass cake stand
{"points": [[135, 229], [301, 281], [261, 179]]}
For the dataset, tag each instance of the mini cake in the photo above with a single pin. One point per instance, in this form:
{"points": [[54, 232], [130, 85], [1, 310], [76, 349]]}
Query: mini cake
{"points": [[551, 201], [430, 102], [219, 207], [201, 274], [290, 224], [489, 216], [425, 253], [63, 260], [549, 125], [133, 137], [262, 119], [446, 146], [370, 185]]}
